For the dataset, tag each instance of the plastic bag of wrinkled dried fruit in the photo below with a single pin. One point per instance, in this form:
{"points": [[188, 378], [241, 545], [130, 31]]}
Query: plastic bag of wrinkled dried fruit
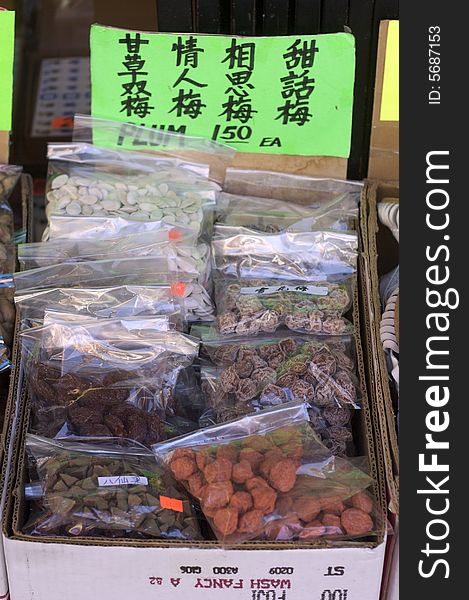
{"points": [[267, 476], [110, 378], [304, 256], [251, 306], [255, 374], [105, 488]]}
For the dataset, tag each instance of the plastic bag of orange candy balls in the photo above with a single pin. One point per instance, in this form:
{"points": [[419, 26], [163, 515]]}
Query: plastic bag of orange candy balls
{"points": [[267, 476]]}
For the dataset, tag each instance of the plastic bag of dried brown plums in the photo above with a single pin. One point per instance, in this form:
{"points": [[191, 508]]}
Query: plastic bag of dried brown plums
{"points": [[263, 372], [268, 477], [256, 306], [107, 379], [107, 489]]}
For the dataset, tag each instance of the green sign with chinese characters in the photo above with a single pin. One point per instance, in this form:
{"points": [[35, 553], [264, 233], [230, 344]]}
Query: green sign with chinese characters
{"points": [[7, 44], [281, 95]]}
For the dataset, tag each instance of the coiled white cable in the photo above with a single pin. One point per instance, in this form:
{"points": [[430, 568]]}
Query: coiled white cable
{"points": [[388, 213]]}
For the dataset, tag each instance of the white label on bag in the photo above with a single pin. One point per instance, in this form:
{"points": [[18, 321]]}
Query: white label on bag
{"points": [[266, 290], [122, 480]]}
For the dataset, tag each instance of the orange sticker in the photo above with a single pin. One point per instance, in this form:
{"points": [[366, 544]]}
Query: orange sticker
{"points": [[171, 503], [178, 289], [174, 235], [60, 122]]}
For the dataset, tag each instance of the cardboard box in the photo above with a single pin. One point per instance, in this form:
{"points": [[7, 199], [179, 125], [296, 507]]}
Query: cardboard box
{"points": [[51, 572], [21, 201], [384, 144], [381, 254], [4, 146], [43, 568], [392, 590]]}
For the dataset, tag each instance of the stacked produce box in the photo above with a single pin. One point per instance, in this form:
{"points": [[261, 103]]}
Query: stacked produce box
{"points": [[188, 355]]}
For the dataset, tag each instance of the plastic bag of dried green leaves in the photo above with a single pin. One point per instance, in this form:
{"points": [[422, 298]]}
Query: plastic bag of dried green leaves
{"points": [[105, 488]]}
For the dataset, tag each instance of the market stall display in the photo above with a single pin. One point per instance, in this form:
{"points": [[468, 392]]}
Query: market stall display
{"points": [[106, 304]]}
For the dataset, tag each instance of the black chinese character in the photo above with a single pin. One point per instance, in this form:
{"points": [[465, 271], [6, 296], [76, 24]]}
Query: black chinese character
{"points": [[294, 113], [240, 55], [301, 56], [281, 288], [301, 86], [239, 108], [133, 62], [239, 78], [188, 103], [133, 43], [187, 50], [261, 290], [136, 105], [301, 288], [137, 85], [183, 77]]}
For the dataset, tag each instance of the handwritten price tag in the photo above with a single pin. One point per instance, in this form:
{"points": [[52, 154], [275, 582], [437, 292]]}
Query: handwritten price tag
{"points": [[267, 290], [122, 480]]}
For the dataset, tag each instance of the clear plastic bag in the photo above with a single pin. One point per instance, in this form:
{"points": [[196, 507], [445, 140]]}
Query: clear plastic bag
{"points": [[109, 489], [5, 363], [106, 378], [189, 299], [138, 271], [85, 180], [143, 271], [140, 325], [180, 250], [7, 320], [251, 306], [306, 256], [199, 151], [102, 228], [9, 176], [252, 375], [267, 476], [300, 189], [274, 216]]}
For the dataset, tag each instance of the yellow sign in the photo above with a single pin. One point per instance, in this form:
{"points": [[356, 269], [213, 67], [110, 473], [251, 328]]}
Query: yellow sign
{"points": [[390, 94]]}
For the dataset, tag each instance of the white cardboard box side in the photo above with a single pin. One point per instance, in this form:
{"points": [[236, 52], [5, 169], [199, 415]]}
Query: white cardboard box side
{"points": [[40, 571], [3, 574], [393, 585]]}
